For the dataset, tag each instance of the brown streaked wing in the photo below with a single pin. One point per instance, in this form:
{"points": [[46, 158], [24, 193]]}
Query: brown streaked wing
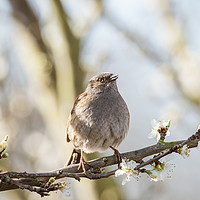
{"points": [[77, 100]]}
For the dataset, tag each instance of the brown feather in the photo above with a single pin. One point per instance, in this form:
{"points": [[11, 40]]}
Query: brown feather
{"points": [[78, 98]]}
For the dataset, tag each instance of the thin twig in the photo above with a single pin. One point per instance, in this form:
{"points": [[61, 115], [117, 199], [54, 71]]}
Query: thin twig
{"points": [[1, 153], [39, 190], [194, 137]]}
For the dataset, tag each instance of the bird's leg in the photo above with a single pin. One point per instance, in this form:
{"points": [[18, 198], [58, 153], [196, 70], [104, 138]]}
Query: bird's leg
{"points": [[77, 157], [118, 157], [74, 158], [82, 162], [70, 159]]}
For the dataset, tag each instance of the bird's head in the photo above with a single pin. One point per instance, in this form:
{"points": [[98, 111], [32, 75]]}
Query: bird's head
{"points": [[102, 83]]}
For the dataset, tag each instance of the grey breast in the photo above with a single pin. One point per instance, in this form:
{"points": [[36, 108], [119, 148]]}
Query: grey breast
{"points": [[107, 122]]}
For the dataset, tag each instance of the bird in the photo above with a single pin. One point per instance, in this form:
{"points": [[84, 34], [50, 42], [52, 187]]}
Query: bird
{"points": [[99, 118]]}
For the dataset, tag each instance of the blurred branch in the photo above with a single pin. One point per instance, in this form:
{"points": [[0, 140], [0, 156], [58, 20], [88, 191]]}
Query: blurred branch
{"points": [[37, 182], [23, 12], [135, 39], [154, 56], [74, 45], [179, 52]]}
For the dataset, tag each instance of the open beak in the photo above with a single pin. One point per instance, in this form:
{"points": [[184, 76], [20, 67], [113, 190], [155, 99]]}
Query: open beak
{"points": [[113, 77]]}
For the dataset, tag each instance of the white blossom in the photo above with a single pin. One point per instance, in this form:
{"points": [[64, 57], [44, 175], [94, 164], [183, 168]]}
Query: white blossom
{"points": [[184, 151], [3, 144], [161, 171], [66, 187], [158, 125], [127, 167], [155, 175]]}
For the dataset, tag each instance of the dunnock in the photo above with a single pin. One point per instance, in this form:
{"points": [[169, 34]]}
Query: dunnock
{"points": [[99, 119]]}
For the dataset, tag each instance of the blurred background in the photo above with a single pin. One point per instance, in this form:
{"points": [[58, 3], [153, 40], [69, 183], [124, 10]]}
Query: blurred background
{"points": [[49, 50]]}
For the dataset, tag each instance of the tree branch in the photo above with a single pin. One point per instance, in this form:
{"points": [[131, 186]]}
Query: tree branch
{"points": [[175, 148], [38, 182], [23, 12]]}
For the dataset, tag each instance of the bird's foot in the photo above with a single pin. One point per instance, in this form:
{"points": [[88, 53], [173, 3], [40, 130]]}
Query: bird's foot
{"points": [[83, 162], [118, 157]]}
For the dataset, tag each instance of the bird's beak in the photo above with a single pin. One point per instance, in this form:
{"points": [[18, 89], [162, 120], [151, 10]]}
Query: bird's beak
{"points": [[113, 77]]}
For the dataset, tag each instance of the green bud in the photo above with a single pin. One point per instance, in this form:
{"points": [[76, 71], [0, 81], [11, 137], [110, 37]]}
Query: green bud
{"points": [[6, 138], [52, 179], [168, 124], [60, 186], [4, 155], [162, 165], [149, 172]]}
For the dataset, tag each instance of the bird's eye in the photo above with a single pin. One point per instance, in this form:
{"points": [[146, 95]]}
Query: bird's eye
{"points": [[102, 80]]}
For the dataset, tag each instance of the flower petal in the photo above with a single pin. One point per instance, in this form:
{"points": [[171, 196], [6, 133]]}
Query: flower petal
{"points": [[124, 181], [154, 123], [152, 134], [119, 172], [66, 192], [66, 187], [158, 137], [167, 134]]}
